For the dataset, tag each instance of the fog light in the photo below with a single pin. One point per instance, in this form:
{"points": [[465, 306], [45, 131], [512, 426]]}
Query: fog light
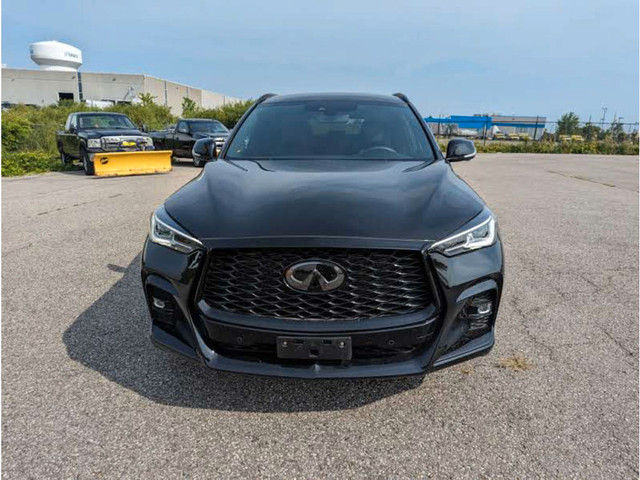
{"points": [[163, 309], [478, 312], [158, 303], [484, 308]]}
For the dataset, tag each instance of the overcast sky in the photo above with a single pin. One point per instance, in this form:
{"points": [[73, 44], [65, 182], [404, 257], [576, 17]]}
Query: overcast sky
{"points": [[533, 57]]}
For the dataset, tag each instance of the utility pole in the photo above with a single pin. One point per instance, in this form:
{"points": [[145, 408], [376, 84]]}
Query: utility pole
{"points": [[484, 140], [535, 130], [615, 115], [604, 114]]}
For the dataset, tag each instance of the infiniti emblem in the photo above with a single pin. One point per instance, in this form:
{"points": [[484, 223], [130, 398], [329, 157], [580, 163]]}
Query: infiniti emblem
{"points": [[314, 276]]}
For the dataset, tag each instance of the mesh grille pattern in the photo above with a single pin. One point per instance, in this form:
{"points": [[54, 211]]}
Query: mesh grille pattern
{"points": [[378, 283]]}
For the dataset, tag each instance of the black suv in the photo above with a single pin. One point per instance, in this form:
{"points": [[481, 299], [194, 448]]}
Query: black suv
{"points": [[329, 239], [181, 138]]}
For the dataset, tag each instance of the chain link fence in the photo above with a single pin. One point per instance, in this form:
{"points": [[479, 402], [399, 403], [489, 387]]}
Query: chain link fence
{"points": [[545, 130]]}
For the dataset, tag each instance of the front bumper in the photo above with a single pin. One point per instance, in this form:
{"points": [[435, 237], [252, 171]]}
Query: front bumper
{"points": [[413, 345], [97, 151]]}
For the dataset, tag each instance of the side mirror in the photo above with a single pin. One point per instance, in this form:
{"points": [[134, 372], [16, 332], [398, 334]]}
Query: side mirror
{"points": [[72, 130], [460, 149], [205, 149], [212, 151], [143, 128], [183, 130]]}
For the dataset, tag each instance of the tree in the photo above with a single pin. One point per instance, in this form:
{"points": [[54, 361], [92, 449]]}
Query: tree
{"points": [[189, 107], [228, 114], [146, 99], [450, 129], [15, 131], [568, 124], [617, 131], [591, 132]]}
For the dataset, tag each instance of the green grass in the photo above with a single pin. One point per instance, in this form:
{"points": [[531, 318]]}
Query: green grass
{"points": [[602, 147], [26, 163]]}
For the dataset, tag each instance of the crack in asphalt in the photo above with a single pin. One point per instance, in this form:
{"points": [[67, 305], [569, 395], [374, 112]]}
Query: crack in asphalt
{"points": [[622, 347], [580, 177], [46, 212], [523, 316], [24, 247], [566, 296]]}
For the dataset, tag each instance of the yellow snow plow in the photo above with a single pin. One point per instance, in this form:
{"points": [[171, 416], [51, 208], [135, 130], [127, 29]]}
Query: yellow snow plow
{"points": [[115, 164]]}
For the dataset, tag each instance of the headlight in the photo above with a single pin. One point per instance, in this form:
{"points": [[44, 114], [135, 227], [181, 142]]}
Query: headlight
{"points": [[93, 143], [481, 235], [148, 141], [164, 234]]}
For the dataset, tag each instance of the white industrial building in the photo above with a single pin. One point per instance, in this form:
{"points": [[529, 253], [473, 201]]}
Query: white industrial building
{"points": [[59, 78]]}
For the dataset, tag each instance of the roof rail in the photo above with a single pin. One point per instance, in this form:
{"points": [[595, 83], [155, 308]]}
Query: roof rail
{"points": [[402, 97], [262, 98]]}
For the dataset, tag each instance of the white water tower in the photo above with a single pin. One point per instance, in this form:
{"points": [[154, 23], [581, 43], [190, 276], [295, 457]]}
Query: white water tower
{"points": [[54, 55]]}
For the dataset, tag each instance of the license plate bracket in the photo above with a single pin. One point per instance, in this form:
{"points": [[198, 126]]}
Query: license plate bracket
{"points": [[314, 348]]}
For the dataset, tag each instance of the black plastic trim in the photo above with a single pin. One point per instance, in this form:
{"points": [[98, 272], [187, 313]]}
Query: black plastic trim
{"points": [[317, 326], [476, 347], [235, 129], [432, 140]]}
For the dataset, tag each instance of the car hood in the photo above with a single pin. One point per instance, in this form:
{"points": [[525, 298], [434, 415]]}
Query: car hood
{"points": [[200, 135], [401, 200], [105, 132]]}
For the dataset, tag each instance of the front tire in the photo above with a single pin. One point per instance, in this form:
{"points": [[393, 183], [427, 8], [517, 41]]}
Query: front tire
{"points": [[87, 164], [198, 163]]}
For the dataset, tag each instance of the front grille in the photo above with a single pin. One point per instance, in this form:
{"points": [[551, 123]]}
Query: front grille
{"points": [[114, 144], [378, 283]]}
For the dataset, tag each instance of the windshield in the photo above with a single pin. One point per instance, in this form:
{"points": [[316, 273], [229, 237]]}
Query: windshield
{"points": [[208, 127], [331, 129], [99, 120]]}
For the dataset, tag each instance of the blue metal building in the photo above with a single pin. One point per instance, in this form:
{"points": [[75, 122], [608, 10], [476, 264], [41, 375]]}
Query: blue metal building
{"points": [[489, 125]]}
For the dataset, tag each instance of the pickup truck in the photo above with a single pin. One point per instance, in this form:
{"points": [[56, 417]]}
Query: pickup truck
{"points": [[181, 139], [88, 133]]}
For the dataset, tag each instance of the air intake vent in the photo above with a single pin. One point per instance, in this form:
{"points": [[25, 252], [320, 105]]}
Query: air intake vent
{"points": [[378, 283]]}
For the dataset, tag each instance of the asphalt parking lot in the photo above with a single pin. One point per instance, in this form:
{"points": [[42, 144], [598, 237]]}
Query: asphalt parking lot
{"points": [[85, 395]]}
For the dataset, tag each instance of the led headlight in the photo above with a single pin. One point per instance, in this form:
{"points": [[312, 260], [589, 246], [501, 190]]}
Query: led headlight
{"points": [[481, 235], [93, 143], [170, 236]]}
